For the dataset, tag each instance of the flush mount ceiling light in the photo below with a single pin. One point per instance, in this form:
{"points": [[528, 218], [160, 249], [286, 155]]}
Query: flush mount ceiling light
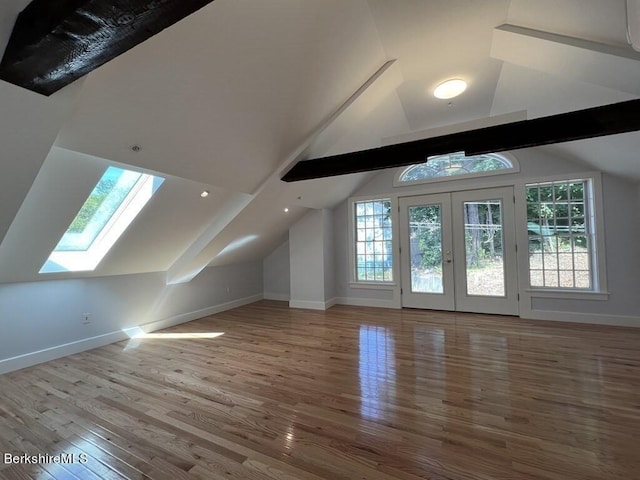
{"points": [[205, 194], [450, 89]]}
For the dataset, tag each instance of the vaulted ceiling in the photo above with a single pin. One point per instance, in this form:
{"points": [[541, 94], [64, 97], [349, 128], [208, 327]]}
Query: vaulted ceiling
{"points": [[230, 97]]}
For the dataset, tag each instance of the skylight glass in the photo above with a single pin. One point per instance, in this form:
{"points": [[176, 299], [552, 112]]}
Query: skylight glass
{"points": [[456, 164], [114, 203]]}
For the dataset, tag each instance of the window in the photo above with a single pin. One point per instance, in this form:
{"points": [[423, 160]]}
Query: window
{"points": [[373, 245], [114, 203], [440, 167], [561, 235]]}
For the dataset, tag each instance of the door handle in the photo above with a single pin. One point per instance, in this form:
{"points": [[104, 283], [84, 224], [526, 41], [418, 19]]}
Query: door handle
{"points": [[448, 255]]}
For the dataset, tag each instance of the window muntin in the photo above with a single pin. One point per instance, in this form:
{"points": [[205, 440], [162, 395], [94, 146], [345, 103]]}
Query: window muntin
{"points": [[373, 241], [116, 200], [440, 167], [561, 235]]}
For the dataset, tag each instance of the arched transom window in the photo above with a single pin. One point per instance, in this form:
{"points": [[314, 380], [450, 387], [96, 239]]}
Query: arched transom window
{"points": [[440, 167]]}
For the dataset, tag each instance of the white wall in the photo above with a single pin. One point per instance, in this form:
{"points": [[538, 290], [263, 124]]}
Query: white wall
{"points": [[276, 276], [328, 251], [311, 261], [622, 253], [43, 320]]}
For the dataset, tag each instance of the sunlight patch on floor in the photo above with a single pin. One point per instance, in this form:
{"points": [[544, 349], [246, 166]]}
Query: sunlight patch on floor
{"points": [[179, 335], [137, 334]]}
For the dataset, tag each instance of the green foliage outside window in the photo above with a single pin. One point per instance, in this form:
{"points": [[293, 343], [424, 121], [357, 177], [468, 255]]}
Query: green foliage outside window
{"points": [[91, 205]]}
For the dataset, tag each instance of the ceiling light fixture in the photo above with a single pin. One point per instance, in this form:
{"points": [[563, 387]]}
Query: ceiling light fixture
{"points": [[286, 210], [205, 194], [450, 89]]}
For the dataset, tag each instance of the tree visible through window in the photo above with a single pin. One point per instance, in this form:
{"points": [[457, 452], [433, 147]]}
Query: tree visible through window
{"points": [[560, 234], [115, 201], [373, 243], [455, 164]]}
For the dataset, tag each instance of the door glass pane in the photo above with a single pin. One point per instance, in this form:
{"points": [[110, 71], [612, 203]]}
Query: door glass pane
{"points": [[425, 245], [483, 246]]}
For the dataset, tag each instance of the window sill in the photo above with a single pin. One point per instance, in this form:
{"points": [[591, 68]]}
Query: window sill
{"points": [[373, 285], [567, 294]]}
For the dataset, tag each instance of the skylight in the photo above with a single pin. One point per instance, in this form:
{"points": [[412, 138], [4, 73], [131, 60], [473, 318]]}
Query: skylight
{"points": [[119, 196]]}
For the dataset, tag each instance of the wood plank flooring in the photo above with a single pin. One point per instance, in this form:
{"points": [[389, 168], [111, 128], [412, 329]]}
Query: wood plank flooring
{"points": [[351, 393]]}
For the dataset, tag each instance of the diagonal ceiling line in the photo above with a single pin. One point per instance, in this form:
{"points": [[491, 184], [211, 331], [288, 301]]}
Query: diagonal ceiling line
{"points": [[589, 123]]}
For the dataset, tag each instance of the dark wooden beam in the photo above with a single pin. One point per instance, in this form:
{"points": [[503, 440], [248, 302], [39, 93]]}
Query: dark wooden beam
{"points": [[593, 122], [55, 42]]}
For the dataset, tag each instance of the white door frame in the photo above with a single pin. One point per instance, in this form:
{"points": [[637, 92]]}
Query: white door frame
{"points": [[455, 296], [433, 301]]}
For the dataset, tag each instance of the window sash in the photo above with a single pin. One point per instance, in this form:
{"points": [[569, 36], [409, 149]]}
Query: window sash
{"points": [[561, 235], [373, 241]]}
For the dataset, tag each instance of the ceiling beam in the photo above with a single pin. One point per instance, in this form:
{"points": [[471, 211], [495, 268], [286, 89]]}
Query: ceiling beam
{"points": [[54, 43], [593, 122]]}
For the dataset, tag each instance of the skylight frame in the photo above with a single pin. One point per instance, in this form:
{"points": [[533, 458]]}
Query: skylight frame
{"points": [[86, 260]]}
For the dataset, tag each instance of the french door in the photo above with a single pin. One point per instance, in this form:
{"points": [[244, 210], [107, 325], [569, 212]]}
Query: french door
{"points": [[458, 251]]}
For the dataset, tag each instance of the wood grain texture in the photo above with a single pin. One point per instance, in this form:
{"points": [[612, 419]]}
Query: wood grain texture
{"points": [[351, 393]]}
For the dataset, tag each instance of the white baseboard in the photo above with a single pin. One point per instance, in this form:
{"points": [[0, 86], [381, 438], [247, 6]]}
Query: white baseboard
{"points": [[281, 297], [576, 317], [205, 312], [367, 302], [310, 305], [52, 353], [33, 358]]}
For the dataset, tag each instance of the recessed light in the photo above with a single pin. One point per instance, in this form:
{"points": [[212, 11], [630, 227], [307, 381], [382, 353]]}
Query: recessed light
{"points": [[286, 210], [450, 89], [205, 194]]}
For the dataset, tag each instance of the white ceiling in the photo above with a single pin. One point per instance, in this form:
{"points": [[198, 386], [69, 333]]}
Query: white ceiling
{"points": [[233, 95]]}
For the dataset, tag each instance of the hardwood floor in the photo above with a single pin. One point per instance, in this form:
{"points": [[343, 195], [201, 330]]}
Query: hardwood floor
{"points": [[352, 393]]}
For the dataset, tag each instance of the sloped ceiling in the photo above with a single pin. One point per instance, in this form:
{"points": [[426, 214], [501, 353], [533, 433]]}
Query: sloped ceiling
{"points": [[228, 98], [557, 82], [223, 96]]}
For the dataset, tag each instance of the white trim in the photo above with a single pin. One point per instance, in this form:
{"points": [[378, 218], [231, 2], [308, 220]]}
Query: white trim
{"points": [[367, 302], [281, 297], [374, 286], [568, 294], [596, 213], [61, 261], [33, 358], [312, 305], [515, 168], [395, 269], [518, 184], [586, 318], [205, 312], [331, 302], [29, 359]]}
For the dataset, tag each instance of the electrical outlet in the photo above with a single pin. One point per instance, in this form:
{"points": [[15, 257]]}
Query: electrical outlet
{"points": [[86, 318]]}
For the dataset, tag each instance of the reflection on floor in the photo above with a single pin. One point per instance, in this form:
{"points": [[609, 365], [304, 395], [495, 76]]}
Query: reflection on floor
{"points": [[349, 393]]}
